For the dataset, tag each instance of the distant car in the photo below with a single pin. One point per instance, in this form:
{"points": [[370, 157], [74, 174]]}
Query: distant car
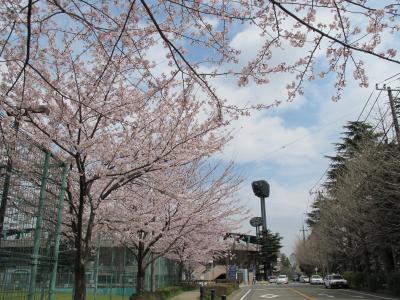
{"points": [[304, 279], [335, 281], [282, 279], [272, 279], [316, 279]]}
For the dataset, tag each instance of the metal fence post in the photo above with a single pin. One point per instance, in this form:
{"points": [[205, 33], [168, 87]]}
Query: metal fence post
{"points": [[111, 289], [202, 293], [38, 228], [4, 196], [212, 294], [58, 231], [124, 274], [96, 268]]}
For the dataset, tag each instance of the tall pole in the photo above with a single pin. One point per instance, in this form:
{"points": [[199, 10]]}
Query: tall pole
{"points": [[96, 267], [393, 110], [58, 231], [304, 234], [263, 214], [38, 228], [261, 190], [394, 115]]}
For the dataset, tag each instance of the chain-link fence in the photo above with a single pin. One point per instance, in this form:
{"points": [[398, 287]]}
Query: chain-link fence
{"points": [[32, 184], [112, 274]]}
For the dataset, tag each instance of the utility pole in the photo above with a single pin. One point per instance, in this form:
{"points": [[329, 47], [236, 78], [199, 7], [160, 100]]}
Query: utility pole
{"points": [[393, 109], [304, 234]]}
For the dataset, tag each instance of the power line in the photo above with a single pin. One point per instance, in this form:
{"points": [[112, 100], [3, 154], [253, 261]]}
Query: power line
{"points": [[365, 105], [311, 191], [378, 145], [280, 148], [317, 183], [389, 78], [372, 107]]}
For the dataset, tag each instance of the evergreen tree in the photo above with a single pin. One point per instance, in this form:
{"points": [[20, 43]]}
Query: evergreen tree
{"points": [[270, 247], [356, 135]]}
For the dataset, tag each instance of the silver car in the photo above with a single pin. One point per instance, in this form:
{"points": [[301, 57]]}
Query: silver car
{"points": [[282, 279], [335, 280], [316, 279]]}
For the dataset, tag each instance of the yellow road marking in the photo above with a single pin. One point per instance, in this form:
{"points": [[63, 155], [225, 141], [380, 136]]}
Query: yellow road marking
{"points": [[301, 294]]}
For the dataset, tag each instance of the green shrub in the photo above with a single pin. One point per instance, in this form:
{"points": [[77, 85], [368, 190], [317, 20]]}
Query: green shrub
{"points": [[189, 286], [348, 275], [375, 282], [220, 289], [359, 280], [393, 281]]}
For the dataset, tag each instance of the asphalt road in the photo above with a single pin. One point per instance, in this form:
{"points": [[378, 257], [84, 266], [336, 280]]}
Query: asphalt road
{"points": [[298, 291]]}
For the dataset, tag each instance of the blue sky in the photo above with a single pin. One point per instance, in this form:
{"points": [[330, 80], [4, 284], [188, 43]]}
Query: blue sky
{"points": [[286, 145]]}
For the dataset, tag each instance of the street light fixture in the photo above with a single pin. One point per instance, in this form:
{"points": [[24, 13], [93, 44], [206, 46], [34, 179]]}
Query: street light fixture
{"points": [[261, 190]]}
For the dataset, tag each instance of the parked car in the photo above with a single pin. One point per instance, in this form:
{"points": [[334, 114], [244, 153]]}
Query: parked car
{"points": [[272, 279], [304, 279], [335, 281], [282, 279], [316, 279]]}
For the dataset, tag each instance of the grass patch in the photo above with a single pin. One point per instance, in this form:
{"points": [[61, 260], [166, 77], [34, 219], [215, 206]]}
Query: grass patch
{"points": [[14, 295]]}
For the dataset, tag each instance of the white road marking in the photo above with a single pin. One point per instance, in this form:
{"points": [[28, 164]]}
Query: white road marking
{"points": [[269, 296], [330, 296], [244, 296], [375, 296]]}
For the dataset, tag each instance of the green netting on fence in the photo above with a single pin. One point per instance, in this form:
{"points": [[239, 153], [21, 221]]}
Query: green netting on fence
{"points": [[112, 272], [31, 202], [32, 184]]}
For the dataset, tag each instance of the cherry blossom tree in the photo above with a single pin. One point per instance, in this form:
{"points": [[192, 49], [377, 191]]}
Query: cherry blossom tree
{"points": [[188, 208], [128, 85], [112, 136]]}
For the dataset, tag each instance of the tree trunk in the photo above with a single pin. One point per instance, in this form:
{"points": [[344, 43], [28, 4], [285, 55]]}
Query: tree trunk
{"points": [[81, 245], [140, 280], [153, 275], [366, 254], [141, 272], [80, 284]]}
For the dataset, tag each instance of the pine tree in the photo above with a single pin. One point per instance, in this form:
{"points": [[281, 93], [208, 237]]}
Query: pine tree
{"points": [[356, 135], [270, 247]]}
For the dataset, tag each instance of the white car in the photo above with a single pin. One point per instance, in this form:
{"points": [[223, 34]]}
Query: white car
{"points": [[335, 280], [316, 279], [282, 279], [272, 279]]}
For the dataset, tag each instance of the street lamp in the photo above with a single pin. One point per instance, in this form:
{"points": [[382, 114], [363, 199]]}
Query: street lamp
{"points": [[261, 190]]}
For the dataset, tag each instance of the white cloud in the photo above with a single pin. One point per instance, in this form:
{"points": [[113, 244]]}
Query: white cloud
{"points": [[260, 138]]}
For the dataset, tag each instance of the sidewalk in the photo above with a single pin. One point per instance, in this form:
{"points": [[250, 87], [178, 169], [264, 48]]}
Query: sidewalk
{"points": [[192, 295], [195, 295]]}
